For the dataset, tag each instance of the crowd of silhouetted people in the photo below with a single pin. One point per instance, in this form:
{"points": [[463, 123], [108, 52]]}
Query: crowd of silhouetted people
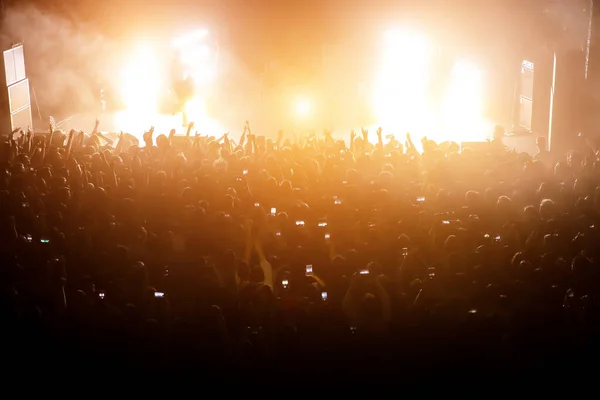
{"points": [[298, 256]]}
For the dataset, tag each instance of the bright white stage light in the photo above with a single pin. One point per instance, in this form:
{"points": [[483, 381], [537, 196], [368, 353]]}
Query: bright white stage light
{"points": [[398, 41], [463, 102], [197, 56], [141, 80], [401, 89], [192, 37], [303, 107]]}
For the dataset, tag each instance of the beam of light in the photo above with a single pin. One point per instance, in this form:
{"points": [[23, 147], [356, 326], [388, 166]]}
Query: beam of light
{"points": [[196, 109], [192, 37], [403, 102], [199, 62], [401, 88], [462, 106], [196, 113], [141, 81], [144, 80], [197, 57], [140, 87]]}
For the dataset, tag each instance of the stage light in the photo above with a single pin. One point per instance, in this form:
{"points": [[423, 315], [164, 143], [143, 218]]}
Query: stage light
{"points": [[400, 99], [198, 57], [303, 107], [204, 52], [194, 36], [463, 103], [196, 110], [399, 41], [140, 80]]}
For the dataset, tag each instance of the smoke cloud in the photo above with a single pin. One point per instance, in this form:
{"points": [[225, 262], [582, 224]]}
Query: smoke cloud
{"points": [[65, 61]]}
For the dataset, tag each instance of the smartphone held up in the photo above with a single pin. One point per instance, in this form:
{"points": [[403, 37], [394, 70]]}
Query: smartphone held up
{"points": [[309, 270]]}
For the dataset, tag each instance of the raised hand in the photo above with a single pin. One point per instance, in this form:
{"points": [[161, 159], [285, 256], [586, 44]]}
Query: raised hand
{"points": [[189, 129], [80, 138], [365, 133], [13, 133], [148, 137]]}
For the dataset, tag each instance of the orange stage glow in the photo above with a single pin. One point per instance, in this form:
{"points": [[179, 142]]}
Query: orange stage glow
{"points": [[402, 100], [141, 81], [463, 105], [144, 82], [303, 107]]}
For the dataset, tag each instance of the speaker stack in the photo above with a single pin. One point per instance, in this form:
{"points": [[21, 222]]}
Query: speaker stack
{"points": [[567, 100], [550, 97], [526, 95], [15, 104]]}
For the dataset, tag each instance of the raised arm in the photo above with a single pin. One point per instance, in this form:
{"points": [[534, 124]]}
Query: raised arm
{"points": [[96, 125], [189, 129], [248, 244], [379, 138], [264, 264]]}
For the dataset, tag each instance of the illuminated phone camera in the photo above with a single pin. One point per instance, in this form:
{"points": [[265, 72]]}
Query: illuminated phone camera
{"points": [[431, 273]]}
